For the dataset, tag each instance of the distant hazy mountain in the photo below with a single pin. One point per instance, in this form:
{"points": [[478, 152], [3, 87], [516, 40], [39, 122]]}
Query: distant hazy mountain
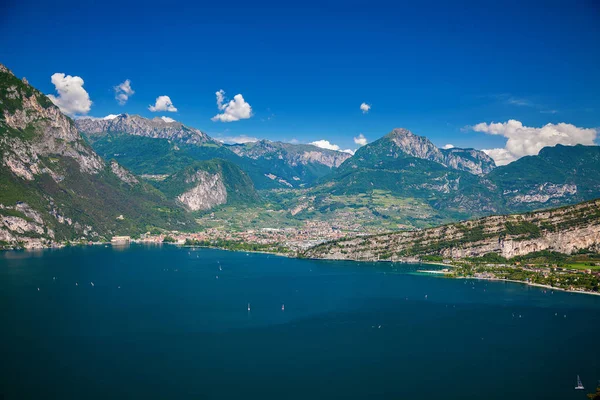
{"points": [[154, 146], [292, 154], [296, 164], [54, 186]]}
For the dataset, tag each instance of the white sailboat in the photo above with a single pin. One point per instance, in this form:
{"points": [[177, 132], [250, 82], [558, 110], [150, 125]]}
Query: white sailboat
{"points": [[579, 384]]}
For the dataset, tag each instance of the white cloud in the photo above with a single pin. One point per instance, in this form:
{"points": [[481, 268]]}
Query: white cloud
{"points": [[448, 146], [361, 140], [163, 103], [364, 107], [238, 139], [520, 102], [235, 110], [325, 144], [524, 140], [500, 156], [72, 98], [167, 119], [111, 116], [123, 91], [220, 99]]}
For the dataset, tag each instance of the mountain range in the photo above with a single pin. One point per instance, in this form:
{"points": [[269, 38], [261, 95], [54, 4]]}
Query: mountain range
{"points": [[97, 177], [467, 180], [156, 146]]}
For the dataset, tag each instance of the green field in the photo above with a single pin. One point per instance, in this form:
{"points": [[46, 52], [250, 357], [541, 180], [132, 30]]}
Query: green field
{"points": [[584, 265]]}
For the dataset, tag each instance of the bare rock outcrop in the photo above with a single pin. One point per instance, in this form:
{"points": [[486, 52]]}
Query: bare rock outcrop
{"points": [[209, 191]]}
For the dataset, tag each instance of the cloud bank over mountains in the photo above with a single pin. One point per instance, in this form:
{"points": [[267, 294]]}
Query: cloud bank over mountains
{"points": [[325, 144], [240, 139], [524, 141]]}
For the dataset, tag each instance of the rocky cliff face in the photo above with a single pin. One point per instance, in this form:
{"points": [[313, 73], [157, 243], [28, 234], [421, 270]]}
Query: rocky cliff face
{"points": [[36, 130], [564, 230], [470, 160], [208, 191], [415, 146], [157, 128], [207, 184], [26, 226]]}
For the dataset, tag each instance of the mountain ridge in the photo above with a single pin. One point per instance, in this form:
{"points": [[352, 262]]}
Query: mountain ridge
{"points": [[137, 125], [174, 145], [401, 142]]}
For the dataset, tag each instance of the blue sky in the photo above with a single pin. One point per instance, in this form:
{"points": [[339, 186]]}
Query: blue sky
{"points": [[306, 69]]}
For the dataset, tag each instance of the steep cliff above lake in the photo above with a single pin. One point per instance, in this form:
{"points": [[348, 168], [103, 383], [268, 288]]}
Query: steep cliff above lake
{"points": [[564, 230]]}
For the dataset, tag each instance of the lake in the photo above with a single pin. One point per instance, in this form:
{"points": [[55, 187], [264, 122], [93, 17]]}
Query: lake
{"points": [[165, 323]]}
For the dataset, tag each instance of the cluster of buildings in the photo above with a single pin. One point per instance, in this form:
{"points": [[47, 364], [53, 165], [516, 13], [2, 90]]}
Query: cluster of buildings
{"points": [[294, 238]]}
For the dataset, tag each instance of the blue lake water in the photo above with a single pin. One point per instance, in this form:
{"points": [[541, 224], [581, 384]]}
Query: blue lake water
{"points": [[159, 324]]}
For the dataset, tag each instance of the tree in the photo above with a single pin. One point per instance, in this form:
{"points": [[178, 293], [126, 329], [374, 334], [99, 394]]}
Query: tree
{"points": [[595, 396], [169, 239]]}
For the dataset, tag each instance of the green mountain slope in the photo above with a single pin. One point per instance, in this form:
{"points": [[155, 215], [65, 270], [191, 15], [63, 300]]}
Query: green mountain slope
{"points": [[414, 169], [556, 176], [205, 184]]}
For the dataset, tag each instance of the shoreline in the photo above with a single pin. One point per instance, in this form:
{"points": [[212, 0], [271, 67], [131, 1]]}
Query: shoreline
{"points": [[448, 274], [528, 284]]}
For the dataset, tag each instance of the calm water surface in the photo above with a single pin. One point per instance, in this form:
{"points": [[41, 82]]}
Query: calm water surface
{"points": [[159, 324]]}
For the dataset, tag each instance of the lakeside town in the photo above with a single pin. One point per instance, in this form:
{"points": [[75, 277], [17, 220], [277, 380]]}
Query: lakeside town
{"points": [[287, 240]]}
